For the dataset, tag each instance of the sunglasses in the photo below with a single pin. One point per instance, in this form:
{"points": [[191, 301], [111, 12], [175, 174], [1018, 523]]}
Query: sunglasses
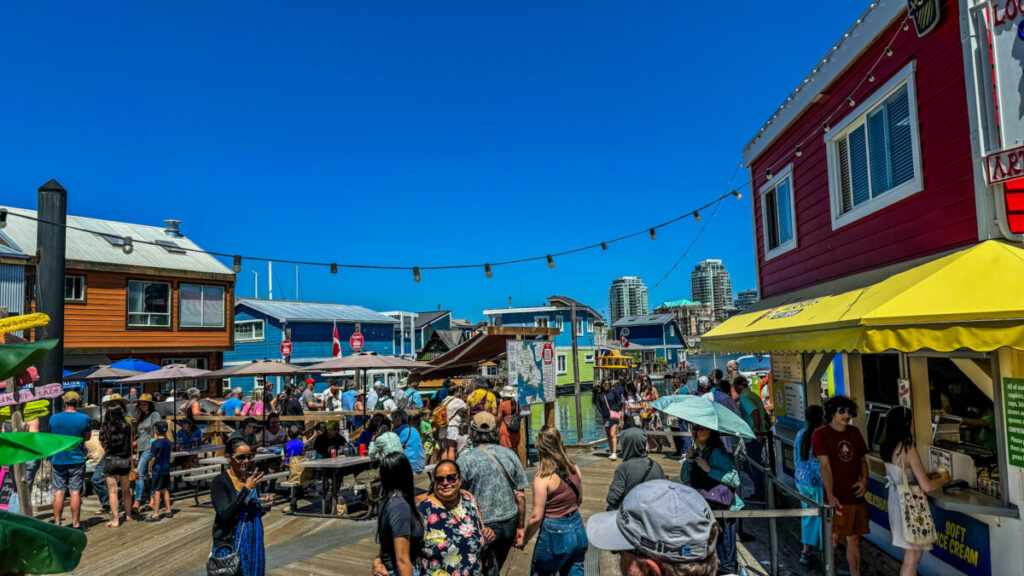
{"points": [[447, 479], [844, 410], [243, 457]]}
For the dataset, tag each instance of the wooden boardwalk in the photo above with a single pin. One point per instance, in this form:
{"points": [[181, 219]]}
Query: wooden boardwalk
{"points": [[296, 545]]}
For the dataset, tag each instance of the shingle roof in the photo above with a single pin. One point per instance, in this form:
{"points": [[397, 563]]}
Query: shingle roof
{"points": [[89, 247], [647, 320], [290, 311], [424, 318]]}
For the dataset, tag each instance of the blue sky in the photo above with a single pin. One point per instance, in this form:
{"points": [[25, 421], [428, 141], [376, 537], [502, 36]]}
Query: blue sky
{"points": [[410, 134]]}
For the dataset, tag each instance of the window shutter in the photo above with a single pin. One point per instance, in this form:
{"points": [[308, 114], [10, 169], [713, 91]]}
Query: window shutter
{"points": [[844, 176], [859, 167], [901, 150], [879, 158]]}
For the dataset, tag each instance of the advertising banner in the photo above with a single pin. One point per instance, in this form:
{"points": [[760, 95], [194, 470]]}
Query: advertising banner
{"points": [[532, 373]]}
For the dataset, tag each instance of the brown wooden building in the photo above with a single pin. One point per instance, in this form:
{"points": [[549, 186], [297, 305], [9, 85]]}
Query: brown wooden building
{"points": [[160, 301]]}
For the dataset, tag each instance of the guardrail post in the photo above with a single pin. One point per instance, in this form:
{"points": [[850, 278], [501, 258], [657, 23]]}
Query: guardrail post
{"points": [[773, 536], [828, 562]]}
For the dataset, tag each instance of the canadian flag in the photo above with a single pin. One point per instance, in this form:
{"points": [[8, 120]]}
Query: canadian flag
{"points": [[335, 343]]}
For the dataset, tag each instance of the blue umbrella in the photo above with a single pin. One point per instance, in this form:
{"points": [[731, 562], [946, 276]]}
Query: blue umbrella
{"points": [[703, 412], [134, 364]]}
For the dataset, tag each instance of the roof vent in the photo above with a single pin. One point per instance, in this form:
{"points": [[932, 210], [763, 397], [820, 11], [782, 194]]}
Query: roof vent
{"points": [[171, 228]]}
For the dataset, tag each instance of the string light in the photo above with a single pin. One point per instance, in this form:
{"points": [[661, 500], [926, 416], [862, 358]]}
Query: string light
{"points": [[851, 101], [334, 268], [416, 274], [768, 173], [551, 261], [826, 126], [905, 25], [799, 152], [237, 267], [737, 194], [696, 216], [871, 77], [487, 271], [653, 235], [604, 245], [888, 51], [127, 245]]}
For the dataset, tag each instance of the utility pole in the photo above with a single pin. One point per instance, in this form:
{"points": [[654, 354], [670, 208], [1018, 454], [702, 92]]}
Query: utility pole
{"points": [[576, 376]]}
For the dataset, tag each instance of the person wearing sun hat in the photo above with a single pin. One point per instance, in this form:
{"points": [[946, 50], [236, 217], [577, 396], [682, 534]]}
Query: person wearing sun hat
{"points": [[662, 528], [148, 417]]}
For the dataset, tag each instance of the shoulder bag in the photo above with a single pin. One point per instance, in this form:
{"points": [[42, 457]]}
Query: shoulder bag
{"points": [[229, 564], [916, 515], [514, 422], [612, 414]]}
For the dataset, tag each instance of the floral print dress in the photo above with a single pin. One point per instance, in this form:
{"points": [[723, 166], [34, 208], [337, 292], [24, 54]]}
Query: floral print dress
{"points": [[453, 538]]}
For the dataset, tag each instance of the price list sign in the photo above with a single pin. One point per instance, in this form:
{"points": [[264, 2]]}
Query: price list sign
{"points": [[1013, 408]]}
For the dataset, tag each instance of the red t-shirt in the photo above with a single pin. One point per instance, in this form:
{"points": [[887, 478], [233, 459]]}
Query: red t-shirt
{"points": [[844, 450]]}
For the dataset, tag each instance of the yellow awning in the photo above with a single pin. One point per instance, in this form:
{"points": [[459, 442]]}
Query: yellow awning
{"points": [[972, 299]]}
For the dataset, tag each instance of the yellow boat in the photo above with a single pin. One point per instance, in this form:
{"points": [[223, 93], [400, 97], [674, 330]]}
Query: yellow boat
{"points": [[613, 360]]}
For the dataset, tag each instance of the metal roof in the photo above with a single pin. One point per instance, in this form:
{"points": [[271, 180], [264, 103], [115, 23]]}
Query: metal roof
{"points": [[647, 320], [89, 247], [9, 248], [290, 311], [424, 318]]}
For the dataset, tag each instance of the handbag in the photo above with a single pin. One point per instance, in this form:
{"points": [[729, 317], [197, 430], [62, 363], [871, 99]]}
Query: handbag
{"points": [[916, 514], [229, 564], [612, 414], [720, 495]]}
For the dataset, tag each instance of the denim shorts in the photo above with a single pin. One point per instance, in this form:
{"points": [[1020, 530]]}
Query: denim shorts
{"points": [[67, 477], [609, 422], [561, 547]]}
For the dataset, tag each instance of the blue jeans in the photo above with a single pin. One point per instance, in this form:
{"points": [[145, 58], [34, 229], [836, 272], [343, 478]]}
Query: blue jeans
{"points": [[99, 484], [755, 450], [726, 547], [141, 485], [561, 547], [810, 526], [31, 468]]}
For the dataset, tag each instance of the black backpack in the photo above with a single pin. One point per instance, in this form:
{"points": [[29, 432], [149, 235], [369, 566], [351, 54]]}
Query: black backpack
{"points": [[514, 422]]}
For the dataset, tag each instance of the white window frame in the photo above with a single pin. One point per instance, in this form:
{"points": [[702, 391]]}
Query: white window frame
{"points": [[168, 314], [202, 310], [856, 119], [80, 278], [538, 319], [588, 358], [671, 331], [561, 364], [243, 323], [581, 327], [773, 184]]}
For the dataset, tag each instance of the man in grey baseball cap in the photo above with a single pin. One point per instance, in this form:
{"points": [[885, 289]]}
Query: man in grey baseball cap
{"points": [[662, 529]]}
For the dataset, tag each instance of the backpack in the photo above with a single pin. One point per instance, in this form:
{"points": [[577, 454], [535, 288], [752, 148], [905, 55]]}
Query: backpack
{"points": [[514, 422], [439, 417], [379, 405], [480, 405]]}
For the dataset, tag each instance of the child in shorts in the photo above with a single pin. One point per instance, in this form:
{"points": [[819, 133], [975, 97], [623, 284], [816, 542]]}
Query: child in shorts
{"points": [[160, 470], [427, 435]]}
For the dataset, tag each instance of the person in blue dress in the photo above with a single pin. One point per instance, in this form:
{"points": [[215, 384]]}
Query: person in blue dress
{"points": [[808, 482], [238, 524]]}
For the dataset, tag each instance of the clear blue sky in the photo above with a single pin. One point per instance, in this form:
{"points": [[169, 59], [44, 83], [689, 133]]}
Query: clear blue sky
{"points": [[412, 134]]}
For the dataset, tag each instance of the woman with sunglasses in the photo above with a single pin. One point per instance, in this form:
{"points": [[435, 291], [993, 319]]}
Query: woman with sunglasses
{"points": [[237, 527], [454, 534], [399, 526], [557, 494], [709, 469]]}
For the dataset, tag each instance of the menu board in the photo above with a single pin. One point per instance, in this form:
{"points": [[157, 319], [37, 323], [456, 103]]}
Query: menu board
{"points": [[795, 400], [1013, 408], [788, 367]]}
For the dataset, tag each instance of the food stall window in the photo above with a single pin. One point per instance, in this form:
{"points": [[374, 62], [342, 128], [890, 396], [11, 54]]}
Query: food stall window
{"points": [[881, 392], [963, 427]]}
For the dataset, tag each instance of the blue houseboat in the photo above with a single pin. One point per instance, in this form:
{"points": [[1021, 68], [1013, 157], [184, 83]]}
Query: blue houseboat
{"points": [[656, 336]]}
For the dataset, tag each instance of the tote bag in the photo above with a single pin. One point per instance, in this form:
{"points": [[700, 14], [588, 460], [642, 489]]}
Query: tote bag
{"points": [[918, 526]]}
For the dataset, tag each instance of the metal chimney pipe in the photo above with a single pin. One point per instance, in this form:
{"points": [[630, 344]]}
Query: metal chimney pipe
{"points": [[50, 255]]}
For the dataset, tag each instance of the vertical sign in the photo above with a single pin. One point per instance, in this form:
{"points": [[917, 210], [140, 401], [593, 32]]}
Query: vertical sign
{"points": [[528, 371], [1013, 408]]}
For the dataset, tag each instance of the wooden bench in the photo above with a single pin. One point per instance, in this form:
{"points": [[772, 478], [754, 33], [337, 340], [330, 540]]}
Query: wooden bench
{"points": [[200, 478], [194, 471]]}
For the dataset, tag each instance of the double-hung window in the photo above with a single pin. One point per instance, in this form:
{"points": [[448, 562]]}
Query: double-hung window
{"points": [[201, 306], [561, 366], [149, 303], [875, 154], [540, 321], [778, 215], [74, 288]]}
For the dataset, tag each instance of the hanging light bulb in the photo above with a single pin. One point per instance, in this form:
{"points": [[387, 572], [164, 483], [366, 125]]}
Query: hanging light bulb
{"points": [[334, 268], [551, 261], [799, 152], [416, 273], [237, 268], [127, 246], [487, 271], [604, 245], [696, 215], [871, 77], [768, 173], [653, 235], [3, 218], [826, 126], [905, 25], [851, 101], [888, 51], [737, 194]]}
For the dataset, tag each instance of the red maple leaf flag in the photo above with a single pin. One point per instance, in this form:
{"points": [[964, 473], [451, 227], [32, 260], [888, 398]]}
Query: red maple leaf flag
{"points": [[336, 343]]}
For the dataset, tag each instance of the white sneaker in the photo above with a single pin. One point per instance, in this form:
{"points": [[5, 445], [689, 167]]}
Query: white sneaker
{"points": [[613, 457]]}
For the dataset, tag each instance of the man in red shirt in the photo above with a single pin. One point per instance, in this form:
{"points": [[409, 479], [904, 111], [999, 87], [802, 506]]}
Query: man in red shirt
{"points": [[841, 450]]}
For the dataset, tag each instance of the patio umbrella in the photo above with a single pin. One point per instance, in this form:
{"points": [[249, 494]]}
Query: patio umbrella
{"points": [[134, 364], [364, 361], [16, 358], [170, 373], [18, 447], [101, 372], [35, 547], [703, 412]]}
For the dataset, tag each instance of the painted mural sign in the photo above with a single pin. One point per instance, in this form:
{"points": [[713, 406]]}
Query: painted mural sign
{"points": [[534, 378], [925, 14], [49, 391], [963, 542], [1013, 408]]}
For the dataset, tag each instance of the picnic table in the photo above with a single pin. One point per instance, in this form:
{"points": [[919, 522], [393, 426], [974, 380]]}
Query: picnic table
{"points": [[223, 460], [336, 466], [197, 450]]}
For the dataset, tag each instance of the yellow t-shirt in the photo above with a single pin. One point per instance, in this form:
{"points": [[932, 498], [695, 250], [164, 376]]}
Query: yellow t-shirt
{"points": [[490, 405]]}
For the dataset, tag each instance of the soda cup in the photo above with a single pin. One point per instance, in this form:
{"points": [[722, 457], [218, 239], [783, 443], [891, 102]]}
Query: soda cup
{"points": [[362, 449], [334, 452]]}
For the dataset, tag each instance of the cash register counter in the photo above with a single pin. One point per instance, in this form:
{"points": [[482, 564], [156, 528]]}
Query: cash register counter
{"points": [[964, 501]]}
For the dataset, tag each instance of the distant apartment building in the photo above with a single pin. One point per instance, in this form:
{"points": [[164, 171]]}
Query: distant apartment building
{"points": [[710, 283], [745, 299], [627, 297], [693, 318]]}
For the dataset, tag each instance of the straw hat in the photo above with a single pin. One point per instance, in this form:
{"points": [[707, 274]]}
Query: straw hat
{"points": [[115, 399], [147, 397]]}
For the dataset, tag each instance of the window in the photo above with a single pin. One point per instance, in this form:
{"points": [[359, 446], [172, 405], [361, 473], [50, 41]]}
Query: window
{"points": [[581, 326], [874, 154], [671, 331], [183, 385], [588, 358], [249, 331], [560, 365], [201, 306], [777, 214], [149, 303], [74, 288], [540, 321]]}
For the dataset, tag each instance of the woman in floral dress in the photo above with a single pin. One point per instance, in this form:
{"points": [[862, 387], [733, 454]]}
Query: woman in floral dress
{"points": [[455, 534]]}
